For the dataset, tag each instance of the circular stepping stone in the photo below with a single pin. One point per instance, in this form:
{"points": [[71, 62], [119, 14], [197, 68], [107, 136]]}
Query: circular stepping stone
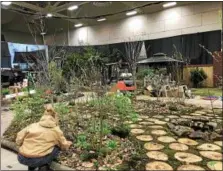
{"points": [[137, 131], [187, 141], [153, 146], [173, 116], [151, 120], [87, 164], [187, 117], [219, 143], [145, 137], [195, 114], [144, 117], [200, 112], [211, 155], [189, 167], [135, 126], [214, 165], [158, 132], [158, 116], [167, 119], [166, 139], [157, 165], [139, 119], [187, 157], [145, 123], [156, 127], [157, 155], [128, 122], [208, 147], [178, 147], [160, 122]]}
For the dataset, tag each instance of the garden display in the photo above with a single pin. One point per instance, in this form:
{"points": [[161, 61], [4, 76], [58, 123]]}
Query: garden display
{"points": [[122, 133]]}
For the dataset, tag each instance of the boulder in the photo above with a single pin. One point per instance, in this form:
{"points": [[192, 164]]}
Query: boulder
{"points": [[215, 136], [199, 135], [212, 125], [181, 130]]}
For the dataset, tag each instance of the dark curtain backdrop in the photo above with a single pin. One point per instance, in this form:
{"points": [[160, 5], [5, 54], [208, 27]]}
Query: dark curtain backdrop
{"points": [[188, 46]]}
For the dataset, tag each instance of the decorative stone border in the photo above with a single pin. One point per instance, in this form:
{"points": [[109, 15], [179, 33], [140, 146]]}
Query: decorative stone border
{"points": [[13, 147]]}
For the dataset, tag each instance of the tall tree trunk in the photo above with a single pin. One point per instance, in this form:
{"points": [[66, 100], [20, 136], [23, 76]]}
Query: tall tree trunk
{"points": [[134, 74]]}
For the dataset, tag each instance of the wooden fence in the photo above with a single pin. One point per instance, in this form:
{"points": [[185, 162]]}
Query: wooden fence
{"points": [[208, 69]]}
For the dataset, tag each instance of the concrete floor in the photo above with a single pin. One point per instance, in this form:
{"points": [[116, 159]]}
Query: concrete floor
{"points": [[8, 159]]}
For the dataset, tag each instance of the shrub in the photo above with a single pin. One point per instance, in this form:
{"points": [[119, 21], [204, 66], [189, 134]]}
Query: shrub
{"points": [[197, 77], [145, 72]]}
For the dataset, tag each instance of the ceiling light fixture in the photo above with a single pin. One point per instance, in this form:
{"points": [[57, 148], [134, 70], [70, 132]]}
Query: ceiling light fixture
{"points": [[101, 19], [74, 7], [6, 3], [169, 4], [131, 13], [78, 25], [49, 15]]}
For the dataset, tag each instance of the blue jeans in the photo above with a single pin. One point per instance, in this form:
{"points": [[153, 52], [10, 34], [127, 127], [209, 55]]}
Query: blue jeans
{"points": [[40, 161]]}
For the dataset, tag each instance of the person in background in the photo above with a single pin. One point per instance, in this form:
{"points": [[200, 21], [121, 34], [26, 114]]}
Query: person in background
{"points": [[40, 143]]}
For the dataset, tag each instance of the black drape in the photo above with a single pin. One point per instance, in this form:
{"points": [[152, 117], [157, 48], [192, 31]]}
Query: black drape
{"points": [[188, 46]]}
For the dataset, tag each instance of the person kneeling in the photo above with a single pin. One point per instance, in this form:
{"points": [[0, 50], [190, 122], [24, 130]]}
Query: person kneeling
{"points": [[41, 142]]}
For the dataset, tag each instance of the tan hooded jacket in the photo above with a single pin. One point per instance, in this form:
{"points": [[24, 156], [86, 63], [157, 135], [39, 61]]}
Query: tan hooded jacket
{"points": [[39, 139]]}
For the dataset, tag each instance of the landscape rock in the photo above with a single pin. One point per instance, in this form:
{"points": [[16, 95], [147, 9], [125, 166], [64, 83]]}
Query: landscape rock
{"points": [[181, 130], [215, 136], [199, 135]]}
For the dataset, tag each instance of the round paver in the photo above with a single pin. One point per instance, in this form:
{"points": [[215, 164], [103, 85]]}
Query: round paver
{"points": [[157, 165], [187, 141], [166, 139], [152, 120], [219, 143], [153, 146], [144, 117], [137, 131], [156, 127], [158, 132], [160, 122], [145, 137], [135, 126], [195, 114], [214, 165], [173, 116], [200, 112], [158, 116], [178, 147], [145, 123], [190, 167], [211, 155], [186, 117], [208, 147], [157, 155], [187, 157], [128, 122], [87, 164]]}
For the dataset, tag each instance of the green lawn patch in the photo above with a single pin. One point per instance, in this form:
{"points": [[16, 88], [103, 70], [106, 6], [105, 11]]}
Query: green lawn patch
{"points": [[204, 91]]}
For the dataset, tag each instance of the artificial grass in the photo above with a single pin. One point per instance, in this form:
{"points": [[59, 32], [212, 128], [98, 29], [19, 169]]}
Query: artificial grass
{"points": [[204, 91]]}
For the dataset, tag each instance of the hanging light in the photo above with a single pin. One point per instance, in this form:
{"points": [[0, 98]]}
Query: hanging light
{"points": [[71, 8], [6, 3], [49, 15], [101, 19], [169, 4], [78, 25], [131, 13]]}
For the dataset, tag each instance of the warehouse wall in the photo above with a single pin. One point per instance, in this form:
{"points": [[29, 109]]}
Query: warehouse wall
{"points": [[194, 18], [19, 37]]}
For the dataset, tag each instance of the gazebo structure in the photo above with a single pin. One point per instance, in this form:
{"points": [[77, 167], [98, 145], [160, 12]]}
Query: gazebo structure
{"points": [[161, 60]]}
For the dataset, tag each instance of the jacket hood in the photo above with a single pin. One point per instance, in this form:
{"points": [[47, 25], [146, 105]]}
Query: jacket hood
{"points": [[47, 121]]}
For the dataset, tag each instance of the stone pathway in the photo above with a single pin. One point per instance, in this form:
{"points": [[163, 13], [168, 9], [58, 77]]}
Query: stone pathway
{"points": [[166, 151], [10, 162], [196, 102]]}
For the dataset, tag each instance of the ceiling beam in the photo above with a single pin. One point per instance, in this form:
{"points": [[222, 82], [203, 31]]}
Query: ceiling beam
{"points": [[29, 6], [56, 4], [65, 6]]}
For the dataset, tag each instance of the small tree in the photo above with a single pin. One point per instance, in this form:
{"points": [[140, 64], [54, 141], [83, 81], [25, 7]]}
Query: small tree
{"points": [[197, 77]]}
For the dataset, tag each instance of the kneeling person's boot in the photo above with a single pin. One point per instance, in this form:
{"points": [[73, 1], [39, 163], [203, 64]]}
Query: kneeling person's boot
{"points": [[45, 168]]}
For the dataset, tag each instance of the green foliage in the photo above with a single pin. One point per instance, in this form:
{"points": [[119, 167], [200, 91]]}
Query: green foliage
{"points": [[29, 107], [145, 72], [197, 76], [82, 141], [5, 91], [57, 81], [61, 108], [112, 144]]}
